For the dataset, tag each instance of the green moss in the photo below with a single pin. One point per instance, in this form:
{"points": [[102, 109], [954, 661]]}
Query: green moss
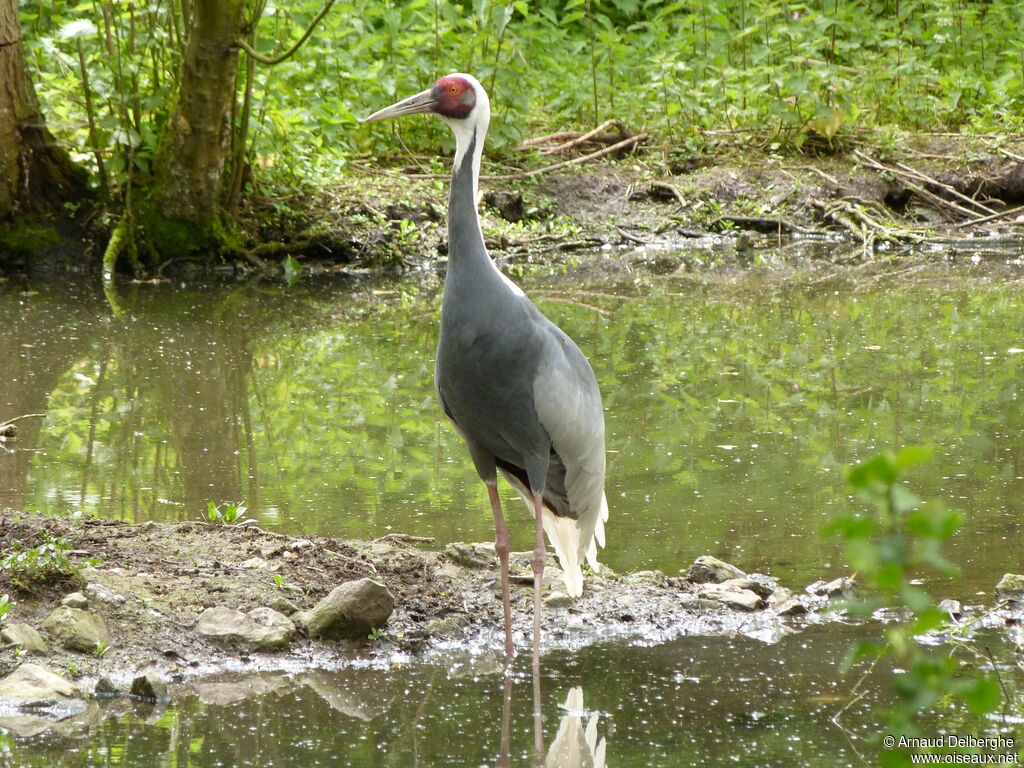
{"points": [[169, 238], [27, 237]]}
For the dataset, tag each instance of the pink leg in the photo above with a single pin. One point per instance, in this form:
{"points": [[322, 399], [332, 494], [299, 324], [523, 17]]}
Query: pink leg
{"points": [[501, 546], [539, 557]]}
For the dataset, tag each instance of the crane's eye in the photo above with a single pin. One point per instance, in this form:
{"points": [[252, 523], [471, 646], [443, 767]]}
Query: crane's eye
{"points": [[452, 89]]}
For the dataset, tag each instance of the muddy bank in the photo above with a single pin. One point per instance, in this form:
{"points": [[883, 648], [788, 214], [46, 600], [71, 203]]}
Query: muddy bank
{"points": [[955, 194], [157, 589]]}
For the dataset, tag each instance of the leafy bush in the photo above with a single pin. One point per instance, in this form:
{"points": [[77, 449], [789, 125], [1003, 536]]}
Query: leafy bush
{"points": [[885, 548], [782, 72]]}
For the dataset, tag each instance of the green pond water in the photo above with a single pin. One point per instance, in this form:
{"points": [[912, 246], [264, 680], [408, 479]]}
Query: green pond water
{"points": [[731, 408]]}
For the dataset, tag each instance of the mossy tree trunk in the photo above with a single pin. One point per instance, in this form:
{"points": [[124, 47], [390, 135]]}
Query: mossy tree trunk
{"points": [[35, 174], [190, 165]]}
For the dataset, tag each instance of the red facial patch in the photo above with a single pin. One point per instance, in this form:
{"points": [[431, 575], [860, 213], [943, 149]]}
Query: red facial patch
{"points": [[454, 97]]}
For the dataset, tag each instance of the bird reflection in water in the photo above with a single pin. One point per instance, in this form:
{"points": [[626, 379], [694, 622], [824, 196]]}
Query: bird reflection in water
{"points": [[576, 744]]}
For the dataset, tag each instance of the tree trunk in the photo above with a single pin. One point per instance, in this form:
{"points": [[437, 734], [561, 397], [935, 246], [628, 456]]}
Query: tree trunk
{"points": [[194, 149], [35, 174]]}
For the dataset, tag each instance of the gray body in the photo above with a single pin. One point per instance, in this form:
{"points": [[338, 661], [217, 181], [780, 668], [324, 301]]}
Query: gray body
{"points": [[516, 386]]}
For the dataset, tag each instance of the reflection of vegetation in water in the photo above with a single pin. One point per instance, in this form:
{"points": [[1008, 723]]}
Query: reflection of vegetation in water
{"points": [[727, 417]]}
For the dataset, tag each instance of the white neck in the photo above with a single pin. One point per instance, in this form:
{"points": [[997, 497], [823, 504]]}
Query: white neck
{"points": [[464, 129]]}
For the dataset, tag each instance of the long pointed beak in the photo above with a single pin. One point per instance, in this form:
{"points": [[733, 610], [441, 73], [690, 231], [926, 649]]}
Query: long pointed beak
{"points": [[414, 105]]}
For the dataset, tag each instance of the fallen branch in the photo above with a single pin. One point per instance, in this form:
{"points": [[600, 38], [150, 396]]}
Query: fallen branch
{"points": [[909, 177], [671, 188], [634, 140], [9, 429], [992, 217], [573, 138]]}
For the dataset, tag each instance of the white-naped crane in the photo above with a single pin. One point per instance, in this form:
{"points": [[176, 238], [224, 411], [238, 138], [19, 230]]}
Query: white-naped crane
{"points": [[515, 386]]}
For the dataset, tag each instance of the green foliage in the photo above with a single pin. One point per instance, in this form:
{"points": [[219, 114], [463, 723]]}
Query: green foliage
{"points": [[231, 514], [887, 548], [793, 75], [5, 605], [42, 564]]}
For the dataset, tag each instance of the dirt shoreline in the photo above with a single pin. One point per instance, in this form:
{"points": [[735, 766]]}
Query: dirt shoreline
{"points": [[150, 583]]}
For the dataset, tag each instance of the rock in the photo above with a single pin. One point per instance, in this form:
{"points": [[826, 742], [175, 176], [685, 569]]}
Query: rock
{"points": [[759, 589], [844, 587], [24, 636], [954, 608], [790, 607], [77, 630], [36, 685], [1011, 587], [149, 685], [105, 687], [263, 629], [558, 600], [553, 576], [75, 600], [255, 563], [740, 599], [280, 629], [283, 605], [103, 594], [472, 555], [707, 569], [652, 577], [448, 627], [351, 611]]}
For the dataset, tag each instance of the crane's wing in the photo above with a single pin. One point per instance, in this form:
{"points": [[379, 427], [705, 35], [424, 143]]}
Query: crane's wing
{"points": [[568, 404]]}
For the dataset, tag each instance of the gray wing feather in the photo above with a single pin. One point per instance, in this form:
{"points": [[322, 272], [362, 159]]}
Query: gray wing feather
{"points": [[568, 404]]}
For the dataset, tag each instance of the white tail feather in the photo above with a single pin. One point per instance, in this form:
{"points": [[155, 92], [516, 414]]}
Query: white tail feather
{"points": [[564, 536]]}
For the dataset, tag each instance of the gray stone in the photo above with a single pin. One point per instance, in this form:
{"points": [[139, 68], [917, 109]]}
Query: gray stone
{"points": [[350, 612], [105, 687], [954, 608], [1011, 587], [75, 600], [24, 636], [779, 596], [472, 555], [36, 685], [264, 629], [150, 686], [759, 589], [255, 563], [651, 577], [103, 594], [448, 627], [77, 630], [740, 599], [707, 569], [283, 605], [279, 628], [843, 587], [790, 607], [558, 600]]}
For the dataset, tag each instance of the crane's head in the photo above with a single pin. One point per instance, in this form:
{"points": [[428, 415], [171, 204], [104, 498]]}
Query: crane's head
{"points": [[458, 99]]}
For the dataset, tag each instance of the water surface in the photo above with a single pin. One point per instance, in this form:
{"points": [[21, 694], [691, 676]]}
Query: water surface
{"points": [[731, 409]]}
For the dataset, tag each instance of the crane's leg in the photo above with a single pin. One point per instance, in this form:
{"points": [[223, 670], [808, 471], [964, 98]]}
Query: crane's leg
{"points": [[501, 546], [540, 555]]}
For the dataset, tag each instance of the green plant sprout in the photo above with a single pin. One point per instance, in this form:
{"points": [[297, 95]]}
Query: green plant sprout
{"points": [[231, 514]]}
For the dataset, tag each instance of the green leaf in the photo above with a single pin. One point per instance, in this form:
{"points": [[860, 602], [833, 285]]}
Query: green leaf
{"points": [[981, 695]]}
